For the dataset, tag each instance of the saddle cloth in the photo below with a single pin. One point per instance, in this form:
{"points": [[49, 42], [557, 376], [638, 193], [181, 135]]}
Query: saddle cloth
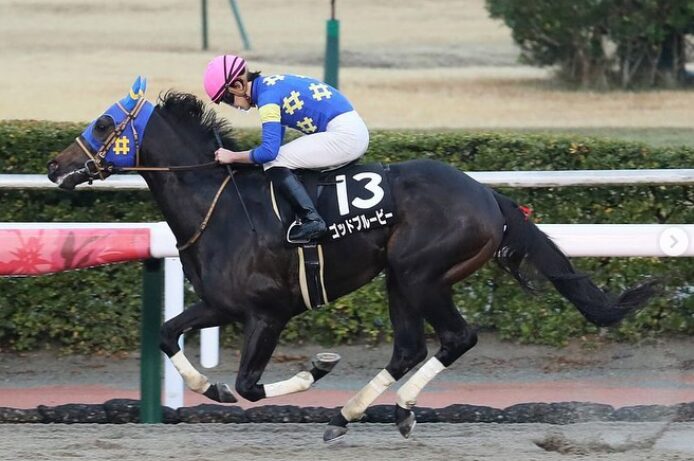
{"points": [[354, 198]]}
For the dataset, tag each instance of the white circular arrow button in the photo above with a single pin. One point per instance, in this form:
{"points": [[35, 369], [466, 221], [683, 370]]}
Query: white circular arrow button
{"points": [[674, 241]]}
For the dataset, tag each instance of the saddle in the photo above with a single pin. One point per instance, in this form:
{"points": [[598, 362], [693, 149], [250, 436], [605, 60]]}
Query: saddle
{"points": [[351, 199]]}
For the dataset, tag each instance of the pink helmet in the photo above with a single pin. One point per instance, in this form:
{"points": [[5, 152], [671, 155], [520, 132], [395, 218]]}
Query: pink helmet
{"points": [[221, 72]]}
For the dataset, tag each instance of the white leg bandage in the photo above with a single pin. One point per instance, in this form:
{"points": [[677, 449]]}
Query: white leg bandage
{"points": [[192, 377], [408, 392], [297, 383], [357, 405]]}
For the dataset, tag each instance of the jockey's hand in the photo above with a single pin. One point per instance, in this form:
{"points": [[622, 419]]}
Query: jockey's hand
{"points": [[225, 156]]}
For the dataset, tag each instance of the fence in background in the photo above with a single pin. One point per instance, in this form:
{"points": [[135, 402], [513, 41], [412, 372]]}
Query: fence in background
{"points": [[660, 177], [574, 239]]}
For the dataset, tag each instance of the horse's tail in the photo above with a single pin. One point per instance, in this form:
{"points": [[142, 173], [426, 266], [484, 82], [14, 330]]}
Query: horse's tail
{"points": [[524, 241]]}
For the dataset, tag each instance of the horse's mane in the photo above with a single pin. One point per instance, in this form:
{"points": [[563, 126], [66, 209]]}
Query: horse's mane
{"points": [[189, 111]]}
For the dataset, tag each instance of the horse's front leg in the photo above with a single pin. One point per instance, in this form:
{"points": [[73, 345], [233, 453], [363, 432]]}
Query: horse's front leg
{"points": [[260, 339], [197, 316]]}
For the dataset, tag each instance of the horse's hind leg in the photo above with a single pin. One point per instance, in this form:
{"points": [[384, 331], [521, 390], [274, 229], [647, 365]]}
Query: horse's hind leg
{"points": [[409, 349], [456, 338], [195, 317], [432, 296]]}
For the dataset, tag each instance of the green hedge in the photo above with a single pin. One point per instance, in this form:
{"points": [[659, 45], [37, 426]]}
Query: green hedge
{"points": [[98, 309]]}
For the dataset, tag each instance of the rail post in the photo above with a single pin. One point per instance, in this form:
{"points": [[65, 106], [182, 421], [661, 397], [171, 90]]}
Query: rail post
{"points": [[239, 23], [150, 359], [332, 49], [203, 4]]}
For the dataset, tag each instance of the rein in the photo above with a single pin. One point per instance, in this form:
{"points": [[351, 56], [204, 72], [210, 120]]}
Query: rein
{"points": [[165, 169], [236, 186], [230, 177], [203, 225]]}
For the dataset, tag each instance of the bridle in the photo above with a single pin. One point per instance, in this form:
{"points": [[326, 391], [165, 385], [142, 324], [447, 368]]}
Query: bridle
{"points": [[95, 166]]}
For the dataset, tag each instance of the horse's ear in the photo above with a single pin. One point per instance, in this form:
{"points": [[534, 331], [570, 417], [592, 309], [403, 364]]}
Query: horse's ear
{"points": [[137, 91]]}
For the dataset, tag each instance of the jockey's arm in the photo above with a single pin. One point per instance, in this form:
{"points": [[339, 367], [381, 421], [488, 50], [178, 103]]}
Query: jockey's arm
{"points": [[229, 156], [272, 135]]}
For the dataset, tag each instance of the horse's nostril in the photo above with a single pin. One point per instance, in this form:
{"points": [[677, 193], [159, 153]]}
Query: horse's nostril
{"points": [[52, 166]]}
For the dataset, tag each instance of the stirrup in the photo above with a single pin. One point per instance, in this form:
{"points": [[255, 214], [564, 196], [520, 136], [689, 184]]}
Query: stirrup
{"points": [[314, 230], [295, 242]]}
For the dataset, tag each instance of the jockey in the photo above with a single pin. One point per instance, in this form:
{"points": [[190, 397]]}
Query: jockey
{"points": [[334, 133]]}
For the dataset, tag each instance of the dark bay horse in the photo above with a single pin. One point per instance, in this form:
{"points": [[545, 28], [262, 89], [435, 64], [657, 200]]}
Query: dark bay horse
{"points": [[448, 226]]}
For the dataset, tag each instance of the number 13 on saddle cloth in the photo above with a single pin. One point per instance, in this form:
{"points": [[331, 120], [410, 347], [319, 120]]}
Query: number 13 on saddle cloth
{"points": [[355, 198], [352, 199]]}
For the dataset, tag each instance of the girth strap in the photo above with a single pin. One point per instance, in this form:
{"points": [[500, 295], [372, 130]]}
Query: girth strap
{"points": [[311, 275]]}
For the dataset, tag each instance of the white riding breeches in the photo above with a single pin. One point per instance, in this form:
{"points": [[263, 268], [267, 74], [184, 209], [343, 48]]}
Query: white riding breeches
{"points": [[345, 140]]}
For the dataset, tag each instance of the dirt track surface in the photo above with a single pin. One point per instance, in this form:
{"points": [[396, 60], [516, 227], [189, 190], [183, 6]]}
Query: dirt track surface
{"points": [[438, 64], [613, 441]]}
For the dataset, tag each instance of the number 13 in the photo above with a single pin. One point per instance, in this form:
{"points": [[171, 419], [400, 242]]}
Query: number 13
{"points": [[372, 186]]}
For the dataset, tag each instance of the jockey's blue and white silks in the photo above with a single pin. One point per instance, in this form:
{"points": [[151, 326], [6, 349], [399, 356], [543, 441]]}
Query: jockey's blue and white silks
{"points": [[293, 101], [125, 148]]}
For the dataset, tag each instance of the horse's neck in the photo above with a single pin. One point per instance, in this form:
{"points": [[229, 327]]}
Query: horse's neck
{"points": [[165, 145], [183, 198], [176, 204], [186, 201]]}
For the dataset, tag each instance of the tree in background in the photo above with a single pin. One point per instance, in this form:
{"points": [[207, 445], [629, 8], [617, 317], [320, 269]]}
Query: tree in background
{"points": [[603, 43]]}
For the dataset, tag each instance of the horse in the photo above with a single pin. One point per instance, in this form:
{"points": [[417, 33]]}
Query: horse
{"points": [[243, 270]]}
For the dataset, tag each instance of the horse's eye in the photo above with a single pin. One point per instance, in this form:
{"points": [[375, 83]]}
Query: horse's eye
{"points": [[102, 126]]}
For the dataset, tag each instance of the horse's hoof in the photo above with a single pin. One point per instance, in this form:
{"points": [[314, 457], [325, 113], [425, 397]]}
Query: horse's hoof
{"points": [[323, 364], [225, 394], [220, 392], [326, 361], [334, 433], [405, 420]]}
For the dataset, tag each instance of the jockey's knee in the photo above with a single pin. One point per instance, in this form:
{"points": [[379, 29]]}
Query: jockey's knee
{"points": [[249, 390]]}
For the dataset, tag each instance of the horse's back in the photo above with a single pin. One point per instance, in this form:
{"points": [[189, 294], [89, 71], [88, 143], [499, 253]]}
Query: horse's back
{"points": [[441, 185], [444, 217]]}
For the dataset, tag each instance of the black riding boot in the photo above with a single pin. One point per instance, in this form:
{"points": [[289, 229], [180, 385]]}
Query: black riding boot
{"points": [[310, 226]]}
